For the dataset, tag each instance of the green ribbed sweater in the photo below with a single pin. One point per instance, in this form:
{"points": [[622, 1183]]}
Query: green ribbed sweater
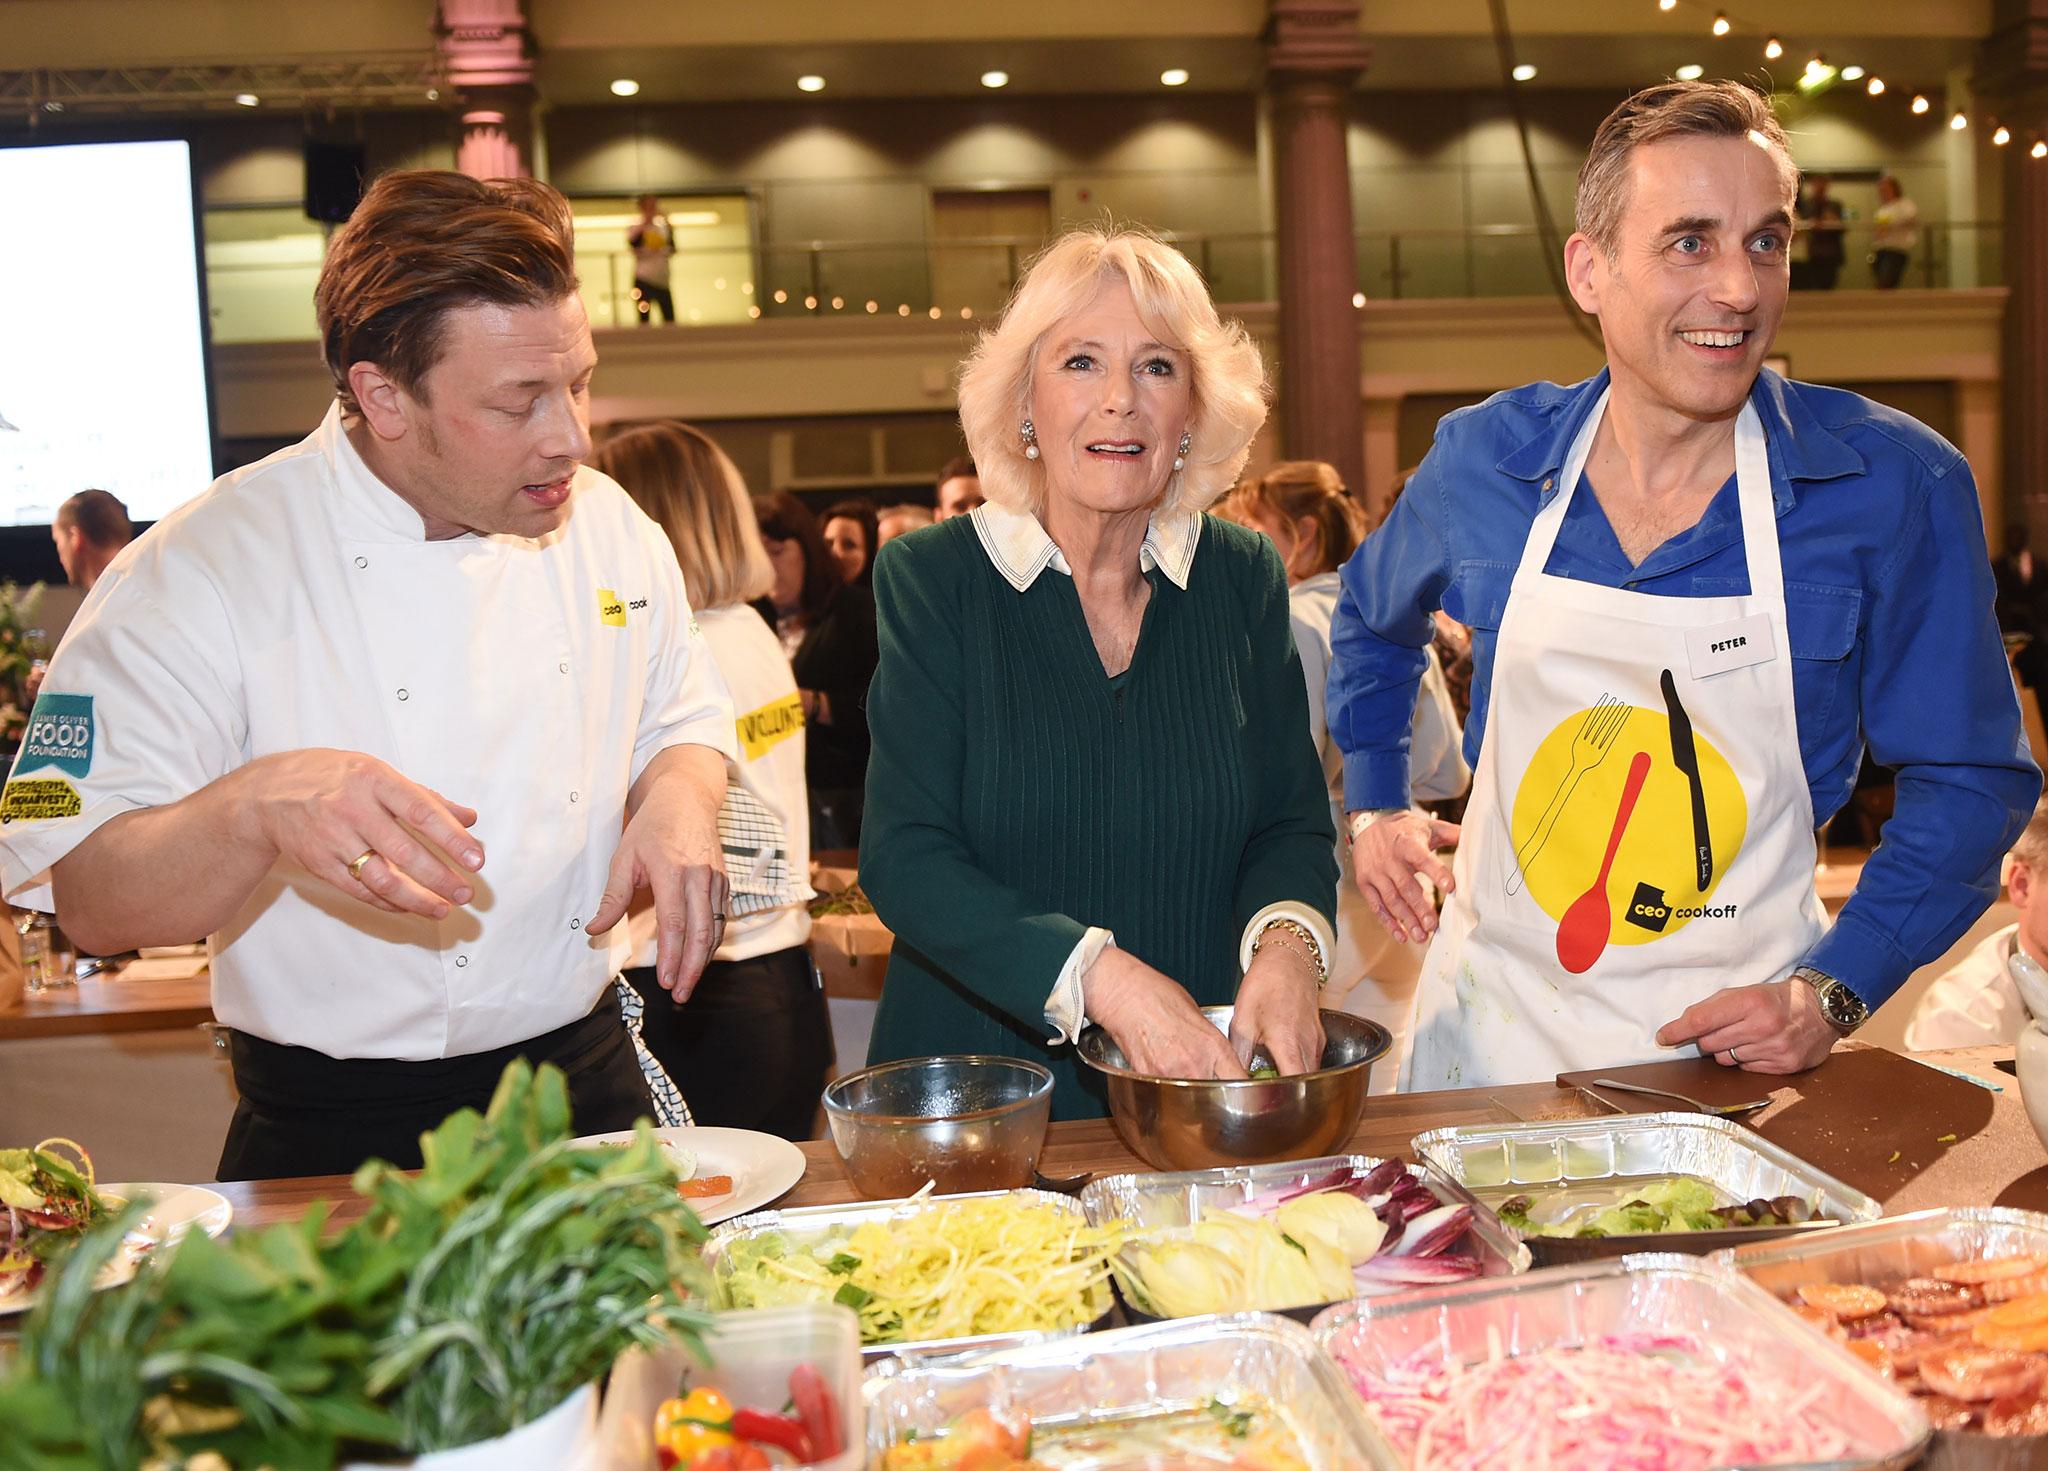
{"points": [[1017, 795]]}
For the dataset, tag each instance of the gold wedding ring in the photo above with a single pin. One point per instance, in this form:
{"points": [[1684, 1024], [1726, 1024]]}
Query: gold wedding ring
{"points": [[355, 869]]}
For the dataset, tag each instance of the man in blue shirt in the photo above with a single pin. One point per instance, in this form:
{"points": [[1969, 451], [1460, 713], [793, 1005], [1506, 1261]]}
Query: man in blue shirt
{"points": [[1697, 591]]}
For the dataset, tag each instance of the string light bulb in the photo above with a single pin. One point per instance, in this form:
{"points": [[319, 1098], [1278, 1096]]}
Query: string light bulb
{"points": [[1875, 86], [1667, 4], [2002, 136], [1721, 26], [1691, 72], [1958, 122], [1773, 49], [1919, 103], [1852, 73], [2040, 149]]}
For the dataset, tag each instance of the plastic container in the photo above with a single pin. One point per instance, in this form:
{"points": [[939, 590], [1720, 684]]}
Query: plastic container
{"points": [[751, 1356], [958, 1124]]}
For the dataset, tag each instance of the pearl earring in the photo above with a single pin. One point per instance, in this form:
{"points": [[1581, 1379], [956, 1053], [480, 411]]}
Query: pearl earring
{"points": [[1180, 460], [1030, 434]]}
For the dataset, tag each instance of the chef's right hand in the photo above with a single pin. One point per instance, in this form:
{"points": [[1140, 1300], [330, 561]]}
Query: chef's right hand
{"points": [[1162, 1032], [1385, 860], [322, 809]]}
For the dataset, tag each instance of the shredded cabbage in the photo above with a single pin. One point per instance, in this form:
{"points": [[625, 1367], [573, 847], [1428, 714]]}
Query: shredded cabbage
{"points": [[954, 1269]]}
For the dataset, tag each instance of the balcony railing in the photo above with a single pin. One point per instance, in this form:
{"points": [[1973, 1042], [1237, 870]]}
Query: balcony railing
{"points": [[972, 278]]}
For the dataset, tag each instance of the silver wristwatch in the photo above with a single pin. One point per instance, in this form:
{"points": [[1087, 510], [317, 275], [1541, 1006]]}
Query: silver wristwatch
{"points": [[1844, 1009], [1358, 822]]}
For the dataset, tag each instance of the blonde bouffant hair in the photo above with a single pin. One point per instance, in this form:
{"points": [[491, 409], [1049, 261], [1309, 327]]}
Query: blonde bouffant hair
{"points": [[1229, 380]]}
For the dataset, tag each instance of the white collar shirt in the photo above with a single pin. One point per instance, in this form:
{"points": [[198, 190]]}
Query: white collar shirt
{"points": [[298, 603]]}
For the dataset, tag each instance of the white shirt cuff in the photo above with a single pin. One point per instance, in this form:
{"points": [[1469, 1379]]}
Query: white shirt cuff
{"points": [[1301, 914], [1065, 1009]]}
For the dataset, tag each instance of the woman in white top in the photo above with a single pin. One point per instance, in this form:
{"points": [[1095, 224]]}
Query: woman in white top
{"points": [[752, 1046], [1315, 524]]}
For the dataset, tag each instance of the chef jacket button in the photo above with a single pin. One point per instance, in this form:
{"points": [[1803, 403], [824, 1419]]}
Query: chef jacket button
{"points": [[563, 666], [362, 561], [461, 962], [575, 924], [575, 796], [404, 695]]}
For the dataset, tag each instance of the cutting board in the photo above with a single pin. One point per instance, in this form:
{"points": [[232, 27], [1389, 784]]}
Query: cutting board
{"points": [[1870, 1118]]}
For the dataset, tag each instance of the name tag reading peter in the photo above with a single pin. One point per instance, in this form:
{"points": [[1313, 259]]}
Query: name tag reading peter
{"points": [[1728, 646]]}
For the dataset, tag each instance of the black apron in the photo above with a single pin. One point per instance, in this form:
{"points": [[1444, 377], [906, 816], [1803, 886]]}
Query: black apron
{"points": [[305, 1113]]}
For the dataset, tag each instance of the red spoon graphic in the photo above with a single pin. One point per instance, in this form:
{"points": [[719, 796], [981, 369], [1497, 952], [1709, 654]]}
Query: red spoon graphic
{"points": [[1583, 933]]}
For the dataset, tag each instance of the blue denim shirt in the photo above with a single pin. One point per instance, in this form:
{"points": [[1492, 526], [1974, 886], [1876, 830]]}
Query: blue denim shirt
{"points": [[1888, 601]]}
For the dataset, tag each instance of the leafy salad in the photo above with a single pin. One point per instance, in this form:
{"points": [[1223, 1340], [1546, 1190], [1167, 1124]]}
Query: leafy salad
{"points": [[1659, 1207], [47, 1202]]}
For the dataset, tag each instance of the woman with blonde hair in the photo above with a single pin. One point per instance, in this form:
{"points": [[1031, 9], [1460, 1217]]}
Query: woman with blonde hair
{"points": [[1304, 508], [753, 1044], [1092, 796]]}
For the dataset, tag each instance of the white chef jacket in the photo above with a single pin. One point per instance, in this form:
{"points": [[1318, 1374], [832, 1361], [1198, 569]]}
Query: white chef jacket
{"points": [[765, 824], [1976, 1004], [297, 603]]}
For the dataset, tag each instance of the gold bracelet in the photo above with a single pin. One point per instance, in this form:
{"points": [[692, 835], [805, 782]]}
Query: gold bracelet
{"points": [[1307, 937]]}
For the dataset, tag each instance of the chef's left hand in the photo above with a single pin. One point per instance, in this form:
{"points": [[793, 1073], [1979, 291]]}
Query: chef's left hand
{"points": [[1774, 1028], [671, 848], [1277, 1007]]}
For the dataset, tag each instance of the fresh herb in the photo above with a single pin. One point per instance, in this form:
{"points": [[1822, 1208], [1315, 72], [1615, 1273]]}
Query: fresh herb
{"points": [[851, 1295], [842, 1262], [849, 900], [1945, 1139], [1894, 1159], [1237, 1424]]}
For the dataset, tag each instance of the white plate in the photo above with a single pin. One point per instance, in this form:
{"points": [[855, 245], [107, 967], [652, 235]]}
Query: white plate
{"points": [[763, 1166], [174, 1210]]}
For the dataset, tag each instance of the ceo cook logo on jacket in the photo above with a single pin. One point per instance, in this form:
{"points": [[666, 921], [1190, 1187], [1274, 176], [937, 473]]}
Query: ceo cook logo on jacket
{"points": [[612, 609]]}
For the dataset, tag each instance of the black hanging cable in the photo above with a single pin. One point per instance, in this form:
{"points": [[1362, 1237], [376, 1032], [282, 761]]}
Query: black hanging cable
{"points": [[1547, 237]]}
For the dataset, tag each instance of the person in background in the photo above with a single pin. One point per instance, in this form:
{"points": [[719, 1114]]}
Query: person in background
{"points": [[752, 1046], [1663, 567], [893, 521], [959, 489], [1093, 796], [1304, 509], [654, 243], [399, 718], [827, 628], [1821, 219], [90, 529], [1897, 235], [850, 536], [1977, 1004]]}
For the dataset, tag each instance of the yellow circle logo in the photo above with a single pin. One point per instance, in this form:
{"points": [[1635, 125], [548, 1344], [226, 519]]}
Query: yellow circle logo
{"points": [[1608, 817]]}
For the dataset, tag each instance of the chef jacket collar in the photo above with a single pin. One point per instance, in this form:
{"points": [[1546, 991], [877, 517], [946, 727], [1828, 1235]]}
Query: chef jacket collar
{"points": [[1020, 548], [1800, 448]]}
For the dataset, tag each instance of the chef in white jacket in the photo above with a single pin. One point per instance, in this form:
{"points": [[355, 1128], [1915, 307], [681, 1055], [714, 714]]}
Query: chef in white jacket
{"points": [[1977, 1004], [400, 717]]}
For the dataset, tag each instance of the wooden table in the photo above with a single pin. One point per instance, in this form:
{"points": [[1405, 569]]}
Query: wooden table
{"points": [[99, 1004]]}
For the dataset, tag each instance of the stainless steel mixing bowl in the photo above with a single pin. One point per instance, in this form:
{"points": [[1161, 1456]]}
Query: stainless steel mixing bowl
{"points": [[1196, 1124], [964, 1123]]}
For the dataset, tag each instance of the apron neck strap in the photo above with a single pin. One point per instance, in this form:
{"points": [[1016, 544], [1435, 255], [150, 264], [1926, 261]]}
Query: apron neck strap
{"points": [[1752, 494]]}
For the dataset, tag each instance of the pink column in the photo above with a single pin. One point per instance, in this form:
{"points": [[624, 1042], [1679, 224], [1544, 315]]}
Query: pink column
{"points": [[486, 49]]}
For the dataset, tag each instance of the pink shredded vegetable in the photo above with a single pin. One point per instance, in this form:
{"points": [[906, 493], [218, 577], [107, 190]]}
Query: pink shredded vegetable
{"points": [[1639, 1402]]}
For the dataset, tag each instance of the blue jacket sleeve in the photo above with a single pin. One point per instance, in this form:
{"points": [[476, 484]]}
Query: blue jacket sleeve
{"points": [[1938, 704], [1391, 586]]}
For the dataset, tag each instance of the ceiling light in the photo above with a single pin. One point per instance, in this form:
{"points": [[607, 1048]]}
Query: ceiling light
{"points": [[1919, 103], [1773, 49], [838, 303], [1524, 73], [1721, 26], [873, 306], [625, 87], [810, 303], [903, 309], [1875, 86], [53, 105], [2002, 137], [2040, 149], [810, 83], [1815, 65], [1690, 73], [995, 79], [1358, 298], [1174, 76], [1958, 121], [934, 314], [1852, 73], [247, 99], [1667, 4]]}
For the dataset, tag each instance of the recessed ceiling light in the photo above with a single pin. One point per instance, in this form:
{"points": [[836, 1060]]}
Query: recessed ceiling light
{"points": [[1773, 49], [1667, 4], [1358, 298], [1691, 73], [1959, 122], [1920, 103], [2040, 149], [1524, 73], [625, 87], [995, 79], [2002, 137], [1721, 26], [810, 83], [1174, 76], [247, 99], [1875, 86], [1852, 73]]}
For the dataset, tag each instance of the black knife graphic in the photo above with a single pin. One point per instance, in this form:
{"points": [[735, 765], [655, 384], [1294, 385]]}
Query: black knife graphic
{"points": [[1686, 757]]}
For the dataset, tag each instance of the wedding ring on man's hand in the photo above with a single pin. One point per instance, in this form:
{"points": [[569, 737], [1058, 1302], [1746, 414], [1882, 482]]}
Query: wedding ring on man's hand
{"points": [[355, 869]]}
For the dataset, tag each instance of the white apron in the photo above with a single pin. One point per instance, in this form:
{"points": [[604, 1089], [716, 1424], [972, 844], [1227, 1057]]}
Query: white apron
{"points": [[1640, 833]]}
